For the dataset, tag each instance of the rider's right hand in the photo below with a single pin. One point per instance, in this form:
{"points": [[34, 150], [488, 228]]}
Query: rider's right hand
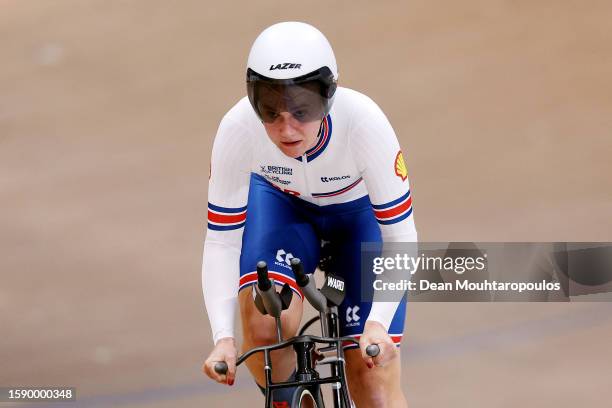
{"points": [[225, 350]]}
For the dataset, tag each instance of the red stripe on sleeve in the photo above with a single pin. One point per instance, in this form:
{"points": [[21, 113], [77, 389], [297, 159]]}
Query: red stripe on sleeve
{"points": [[226, 219], [394, 211]]}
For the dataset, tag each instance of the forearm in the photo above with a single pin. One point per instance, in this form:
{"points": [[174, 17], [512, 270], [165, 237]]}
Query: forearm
{"points": [[220, 276], [386, 302]]}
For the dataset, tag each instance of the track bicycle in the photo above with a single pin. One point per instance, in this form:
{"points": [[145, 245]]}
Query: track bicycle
{"points": [[311, 351]]}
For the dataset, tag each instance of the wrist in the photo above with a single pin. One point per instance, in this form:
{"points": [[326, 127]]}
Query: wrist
{"points": [[374, 325], [226, 341]]}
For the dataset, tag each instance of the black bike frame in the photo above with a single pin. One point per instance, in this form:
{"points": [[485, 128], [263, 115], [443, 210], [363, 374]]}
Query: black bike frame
{"points": [[339, 390], [305, 372]]}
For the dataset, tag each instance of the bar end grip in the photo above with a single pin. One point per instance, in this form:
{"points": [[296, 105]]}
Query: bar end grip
{"points": [[372, 350], [221, 367]]}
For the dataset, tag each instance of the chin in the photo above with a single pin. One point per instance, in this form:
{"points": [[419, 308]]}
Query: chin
{"points": [[294, 151], [291, 152]]}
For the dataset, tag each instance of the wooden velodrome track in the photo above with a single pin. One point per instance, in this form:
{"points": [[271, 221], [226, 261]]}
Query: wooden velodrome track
{"points": [[107, 114]]}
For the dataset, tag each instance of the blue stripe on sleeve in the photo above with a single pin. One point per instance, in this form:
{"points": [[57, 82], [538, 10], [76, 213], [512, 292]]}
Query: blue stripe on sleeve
{"points": [[215, 227], [226, 209], [392, 203]]}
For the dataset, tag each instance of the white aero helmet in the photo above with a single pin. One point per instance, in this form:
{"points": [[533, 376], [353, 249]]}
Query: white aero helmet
{"points": [[291, 68]]}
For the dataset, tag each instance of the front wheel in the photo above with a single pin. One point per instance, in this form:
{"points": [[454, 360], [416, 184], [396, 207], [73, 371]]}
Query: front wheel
{"points": [[307, 398]]}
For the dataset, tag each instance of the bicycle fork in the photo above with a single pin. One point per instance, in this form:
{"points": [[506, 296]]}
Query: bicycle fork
{"points": [[340, 392]]}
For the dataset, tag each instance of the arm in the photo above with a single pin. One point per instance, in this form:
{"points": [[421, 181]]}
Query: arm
{"points": [[378, 155], [227, 199]]}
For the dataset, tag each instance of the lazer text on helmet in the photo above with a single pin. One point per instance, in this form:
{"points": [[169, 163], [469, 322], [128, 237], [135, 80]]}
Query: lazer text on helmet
{"points": [[286, 65]]}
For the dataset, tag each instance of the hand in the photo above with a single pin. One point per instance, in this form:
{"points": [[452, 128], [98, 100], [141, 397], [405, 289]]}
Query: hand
{"points": [[375, 333], [225, 350]]}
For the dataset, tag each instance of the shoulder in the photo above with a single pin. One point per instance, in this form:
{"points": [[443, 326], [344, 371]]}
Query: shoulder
{"points": [[358, 110], [355, 103], [362, 114], [241, 114], [239, 124]]}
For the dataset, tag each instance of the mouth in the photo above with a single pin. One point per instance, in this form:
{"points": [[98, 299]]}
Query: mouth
{"points": [[290, 144]]}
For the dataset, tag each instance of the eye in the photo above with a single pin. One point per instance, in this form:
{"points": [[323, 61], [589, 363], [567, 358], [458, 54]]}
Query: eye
{"points": [[270, 114], [299, 113]]}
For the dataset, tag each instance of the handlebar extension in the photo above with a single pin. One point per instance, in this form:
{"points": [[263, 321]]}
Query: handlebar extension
{"points": [[263, 283], [271, 300], [308, 286], [298, 270]]}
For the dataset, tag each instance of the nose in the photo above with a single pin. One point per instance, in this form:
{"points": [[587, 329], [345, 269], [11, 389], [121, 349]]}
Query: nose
{"points": [[285, 124]]}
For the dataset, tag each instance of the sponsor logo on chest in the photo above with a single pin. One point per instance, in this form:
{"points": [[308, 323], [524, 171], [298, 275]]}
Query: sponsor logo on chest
{"points": [[334, 178]]}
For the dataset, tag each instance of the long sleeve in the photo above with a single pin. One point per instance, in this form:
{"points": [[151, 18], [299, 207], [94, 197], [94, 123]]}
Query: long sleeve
{"points": [[227, 199], [381, 162]]}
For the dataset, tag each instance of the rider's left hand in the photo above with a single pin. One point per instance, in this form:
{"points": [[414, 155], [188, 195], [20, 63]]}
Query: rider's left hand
{"points": [[375, 333]]}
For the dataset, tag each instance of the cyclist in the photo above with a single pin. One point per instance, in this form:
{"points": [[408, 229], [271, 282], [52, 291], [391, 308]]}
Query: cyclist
{"points": [[296, 162]]}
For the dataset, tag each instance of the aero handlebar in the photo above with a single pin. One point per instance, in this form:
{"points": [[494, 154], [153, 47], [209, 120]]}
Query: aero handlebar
{"points": [[273, 305], [221, 366]]}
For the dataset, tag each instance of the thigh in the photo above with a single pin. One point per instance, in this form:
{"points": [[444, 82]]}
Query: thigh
{"points": [[275, 232]]}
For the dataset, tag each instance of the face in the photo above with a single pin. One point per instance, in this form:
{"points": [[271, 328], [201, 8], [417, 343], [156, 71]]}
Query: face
{"points": [[291, 116], [291, 136]]}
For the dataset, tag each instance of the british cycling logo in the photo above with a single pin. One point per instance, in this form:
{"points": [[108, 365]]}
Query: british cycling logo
{"points": [[286, 65], [283, 258], [277, 179], [335, 178], [352, 318], [267, 169]]}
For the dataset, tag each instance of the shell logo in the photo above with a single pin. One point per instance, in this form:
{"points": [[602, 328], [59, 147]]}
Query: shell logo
{"points": [[400, 166]]}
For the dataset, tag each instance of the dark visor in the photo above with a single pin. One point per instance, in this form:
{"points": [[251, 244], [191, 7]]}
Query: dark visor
{"points": [[306, 98]]}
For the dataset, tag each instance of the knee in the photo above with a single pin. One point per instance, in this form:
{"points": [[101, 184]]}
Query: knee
{"points": [[369, 385], [261, 330], [375, 387]]}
